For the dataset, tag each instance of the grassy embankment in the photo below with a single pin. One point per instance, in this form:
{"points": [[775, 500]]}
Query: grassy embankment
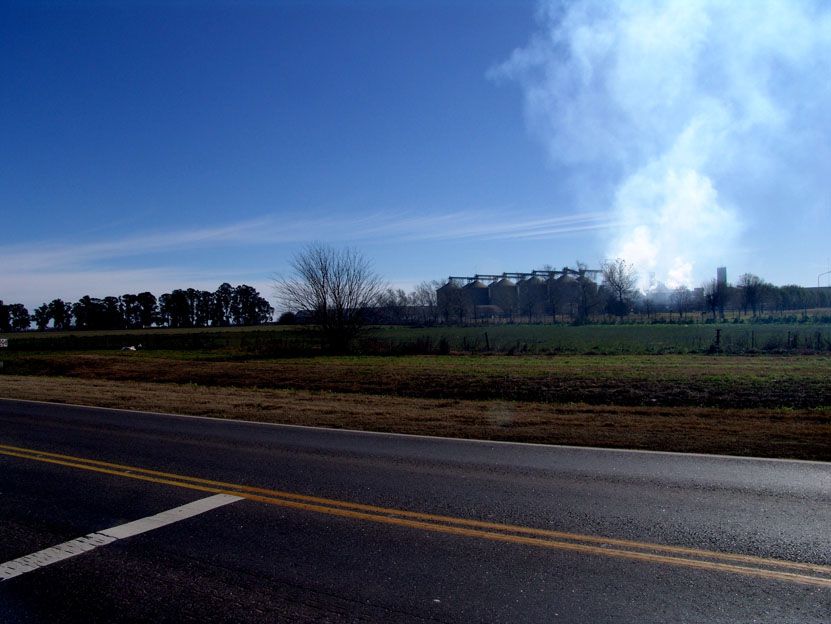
{"points": [[736, 338], [764, 405]]}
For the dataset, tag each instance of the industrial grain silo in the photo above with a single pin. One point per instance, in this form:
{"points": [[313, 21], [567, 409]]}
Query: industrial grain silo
{"points": [[562, 295], [450, 301], [474, 295], [503, 293], [532, 295]]}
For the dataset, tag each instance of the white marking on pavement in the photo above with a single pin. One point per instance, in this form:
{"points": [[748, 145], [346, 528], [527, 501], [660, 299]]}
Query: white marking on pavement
{"points": [[42, 558]]}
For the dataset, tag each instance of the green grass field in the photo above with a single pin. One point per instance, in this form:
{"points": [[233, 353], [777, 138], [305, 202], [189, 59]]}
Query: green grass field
{"points": [[617, 339], [655, 387], [652, 380], [734, 338]]}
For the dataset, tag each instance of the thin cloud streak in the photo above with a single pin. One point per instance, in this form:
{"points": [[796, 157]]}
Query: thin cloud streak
{"points": [[496, 228], [49, 255], [467, 225]]}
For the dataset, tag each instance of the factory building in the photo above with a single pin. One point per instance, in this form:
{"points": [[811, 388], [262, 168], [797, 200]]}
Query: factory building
{"points": [[528, 295]]}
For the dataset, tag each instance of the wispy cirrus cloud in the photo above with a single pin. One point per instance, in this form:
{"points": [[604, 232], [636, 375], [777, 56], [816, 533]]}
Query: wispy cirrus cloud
{"points": [[486, 226], [51, 255], [58, 257], [477, 224], [161, 260]]}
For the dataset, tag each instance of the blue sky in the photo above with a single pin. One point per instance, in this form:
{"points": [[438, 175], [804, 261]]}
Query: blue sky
{"points": [[149, 146]]}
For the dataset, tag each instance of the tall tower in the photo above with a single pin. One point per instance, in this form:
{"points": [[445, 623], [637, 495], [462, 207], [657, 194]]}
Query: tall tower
{"points": [[721, 276]]}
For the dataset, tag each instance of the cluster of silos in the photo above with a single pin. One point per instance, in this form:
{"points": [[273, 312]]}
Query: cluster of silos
{"points": [[476, 300], [532, 296]]}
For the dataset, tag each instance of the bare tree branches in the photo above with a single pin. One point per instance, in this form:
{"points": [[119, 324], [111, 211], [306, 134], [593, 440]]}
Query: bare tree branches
{"points": [[621, 279], [715, 297], [682, 298], [336, 286], [752, 289]]}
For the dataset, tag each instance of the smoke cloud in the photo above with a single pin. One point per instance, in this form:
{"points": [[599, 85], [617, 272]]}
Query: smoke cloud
{"points": [[693, 119]]}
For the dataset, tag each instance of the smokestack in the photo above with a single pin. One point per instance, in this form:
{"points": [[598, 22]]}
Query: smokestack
{"points": [[721, 276]]}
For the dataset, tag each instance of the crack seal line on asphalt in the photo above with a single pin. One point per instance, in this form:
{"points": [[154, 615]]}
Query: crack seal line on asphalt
{"points": [[78, 546], [774, 569]]}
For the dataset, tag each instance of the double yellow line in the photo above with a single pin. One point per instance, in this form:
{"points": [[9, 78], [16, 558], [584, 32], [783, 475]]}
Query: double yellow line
{"points": [[774, 569]]}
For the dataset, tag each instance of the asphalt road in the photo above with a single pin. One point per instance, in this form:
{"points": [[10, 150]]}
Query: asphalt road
{"points": [[335, 526]]}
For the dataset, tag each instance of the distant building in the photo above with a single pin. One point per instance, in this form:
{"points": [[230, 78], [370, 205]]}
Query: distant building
{"points": [[721, 276], [505, 295]]}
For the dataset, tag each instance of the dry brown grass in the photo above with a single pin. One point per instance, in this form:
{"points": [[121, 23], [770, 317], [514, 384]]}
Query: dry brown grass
{"points": [[668, 380], [801, 434]]}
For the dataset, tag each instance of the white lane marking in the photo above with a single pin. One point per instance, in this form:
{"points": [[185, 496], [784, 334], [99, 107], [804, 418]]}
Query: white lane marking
{"points": [[42, 558], [169, 517]]}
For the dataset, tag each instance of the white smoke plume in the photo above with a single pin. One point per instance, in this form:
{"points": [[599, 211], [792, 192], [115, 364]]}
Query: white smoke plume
{"points": [[693, 119]]}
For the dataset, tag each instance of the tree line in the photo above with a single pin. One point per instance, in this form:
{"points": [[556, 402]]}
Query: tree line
{"points": [[226, 306], [751, 296], [338, 291]]}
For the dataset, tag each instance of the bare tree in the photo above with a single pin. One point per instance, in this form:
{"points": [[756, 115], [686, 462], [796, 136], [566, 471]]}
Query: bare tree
{"points": [[715, 297], [770, 297], [394, 306], [682, 298], [336, 286], [752, 287], [586, 292], [620, 278], [424, 298]]}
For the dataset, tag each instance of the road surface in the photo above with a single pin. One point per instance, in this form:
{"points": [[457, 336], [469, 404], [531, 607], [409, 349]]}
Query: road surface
{"points": [[115, 516]]}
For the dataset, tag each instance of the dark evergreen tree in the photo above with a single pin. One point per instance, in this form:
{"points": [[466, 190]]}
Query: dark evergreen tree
{"points": [[5, 318], [131, 311], [149, 308], [221, 316], [175, 308], [42, 316], [19, 317], [89, 313], [112, 317], [60, 313], [203, 308], [248, 307]]}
